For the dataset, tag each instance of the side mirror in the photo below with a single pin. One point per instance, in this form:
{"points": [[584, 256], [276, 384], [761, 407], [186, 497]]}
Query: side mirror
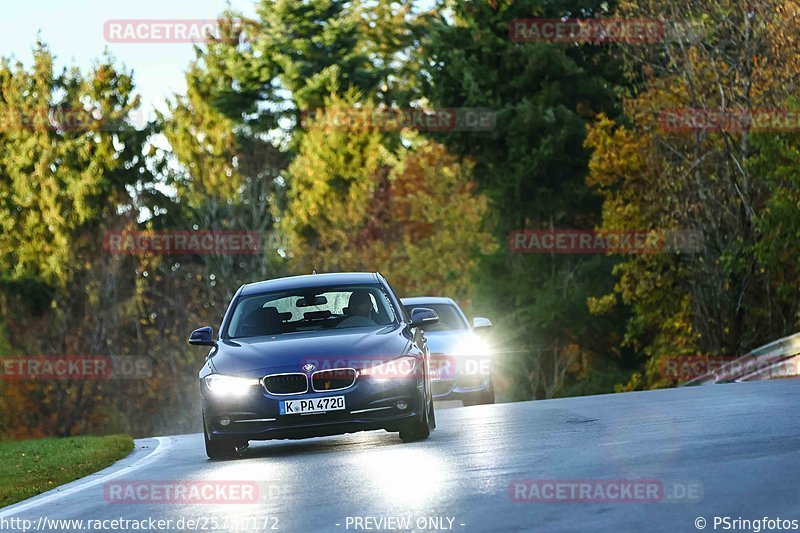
{"points": [[422, 316], [202, 337], [480, 322]]}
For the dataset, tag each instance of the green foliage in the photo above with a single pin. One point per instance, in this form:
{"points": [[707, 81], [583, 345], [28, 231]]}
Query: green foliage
{"points": [[356, 204], [532, 168], [57, 183], [68, 156], [576, 145], [326, 46], [331, 184]]}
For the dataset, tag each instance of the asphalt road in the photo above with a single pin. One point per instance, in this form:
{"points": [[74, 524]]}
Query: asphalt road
{"points": [[734, 448]]}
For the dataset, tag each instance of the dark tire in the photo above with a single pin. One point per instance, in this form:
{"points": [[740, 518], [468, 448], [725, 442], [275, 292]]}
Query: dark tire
{"points": [[219, 447], [417, 430]]}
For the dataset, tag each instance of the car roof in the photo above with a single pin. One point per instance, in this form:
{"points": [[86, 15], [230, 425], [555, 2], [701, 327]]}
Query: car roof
{"points": [[311, 281], [419, 300]]}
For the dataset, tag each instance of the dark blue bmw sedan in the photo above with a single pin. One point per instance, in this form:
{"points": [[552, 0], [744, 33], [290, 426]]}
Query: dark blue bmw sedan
{"points": [[315, 355]]}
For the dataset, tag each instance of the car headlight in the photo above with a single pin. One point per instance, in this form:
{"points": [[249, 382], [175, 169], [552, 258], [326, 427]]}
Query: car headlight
{"points": [[473, 347], [402, 367], [473, 357], [220, 385]]}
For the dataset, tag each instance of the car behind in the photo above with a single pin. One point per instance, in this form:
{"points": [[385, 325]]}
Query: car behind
{"points": [[461, 357]]}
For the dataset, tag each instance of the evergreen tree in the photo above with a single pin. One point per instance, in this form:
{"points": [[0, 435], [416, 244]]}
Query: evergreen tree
{"points": [[532, 167]]}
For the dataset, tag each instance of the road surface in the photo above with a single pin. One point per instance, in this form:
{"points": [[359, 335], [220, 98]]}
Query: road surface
{"points": [[723, 450]]}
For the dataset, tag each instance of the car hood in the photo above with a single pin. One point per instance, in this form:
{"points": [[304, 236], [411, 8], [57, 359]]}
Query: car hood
{"points": [[258, 356]]}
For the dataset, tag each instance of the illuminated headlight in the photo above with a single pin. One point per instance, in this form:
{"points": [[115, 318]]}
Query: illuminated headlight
{"points": [[473, 357], [402, 367], [229, 386], [473, 347]]}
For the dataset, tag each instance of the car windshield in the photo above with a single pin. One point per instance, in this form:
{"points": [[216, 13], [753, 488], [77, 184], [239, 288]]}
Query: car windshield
{"points": [[449, 317], [305, 309]]}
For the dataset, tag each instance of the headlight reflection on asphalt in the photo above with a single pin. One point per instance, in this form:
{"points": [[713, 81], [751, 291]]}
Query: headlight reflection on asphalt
{"points": [[408, 477], [260, 471]]}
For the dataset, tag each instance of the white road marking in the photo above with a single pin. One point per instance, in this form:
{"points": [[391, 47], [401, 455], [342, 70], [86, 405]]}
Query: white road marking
{"points": [[85, 483]]}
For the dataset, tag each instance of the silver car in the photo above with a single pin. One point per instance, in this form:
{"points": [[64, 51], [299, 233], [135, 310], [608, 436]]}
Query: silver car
{"points": [[461, 358]]}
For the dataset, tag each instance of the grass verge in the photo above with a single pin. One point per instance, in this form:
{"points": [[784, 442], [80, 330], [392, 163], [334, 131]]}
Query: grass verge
{"points": [[30, 467]]}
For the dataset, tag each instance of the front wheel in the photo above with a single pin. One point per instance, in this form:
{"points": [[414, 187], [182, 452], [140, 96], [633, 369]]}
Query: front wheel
{"points": [[219, 447], [417, 430]]}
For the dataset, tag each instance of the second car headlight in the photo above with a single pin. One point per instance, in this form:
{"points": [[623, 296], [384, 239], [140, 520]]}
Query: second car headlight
{"points": [[220, 385], [473, 347]]}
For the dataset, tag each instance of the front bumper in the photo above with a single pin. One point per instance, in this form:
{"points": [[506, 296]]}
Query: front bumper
{"points": [[370, 404], [458, 387]]}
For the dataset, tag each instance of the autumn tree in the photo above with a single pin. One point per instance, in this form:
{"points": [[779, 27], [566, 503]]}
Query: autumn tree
{"points": [[68, 154], [733, 184], [356, 203]]}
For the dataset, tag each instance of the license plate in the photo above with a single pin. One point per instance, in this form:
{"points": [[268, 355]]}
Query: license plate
{"points": [[312, 405]]}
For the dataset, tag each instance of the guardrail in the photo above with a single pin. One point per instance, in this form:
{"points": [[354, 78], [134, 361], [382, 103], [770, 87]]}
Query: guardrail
{"points": [[778, 359]]}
